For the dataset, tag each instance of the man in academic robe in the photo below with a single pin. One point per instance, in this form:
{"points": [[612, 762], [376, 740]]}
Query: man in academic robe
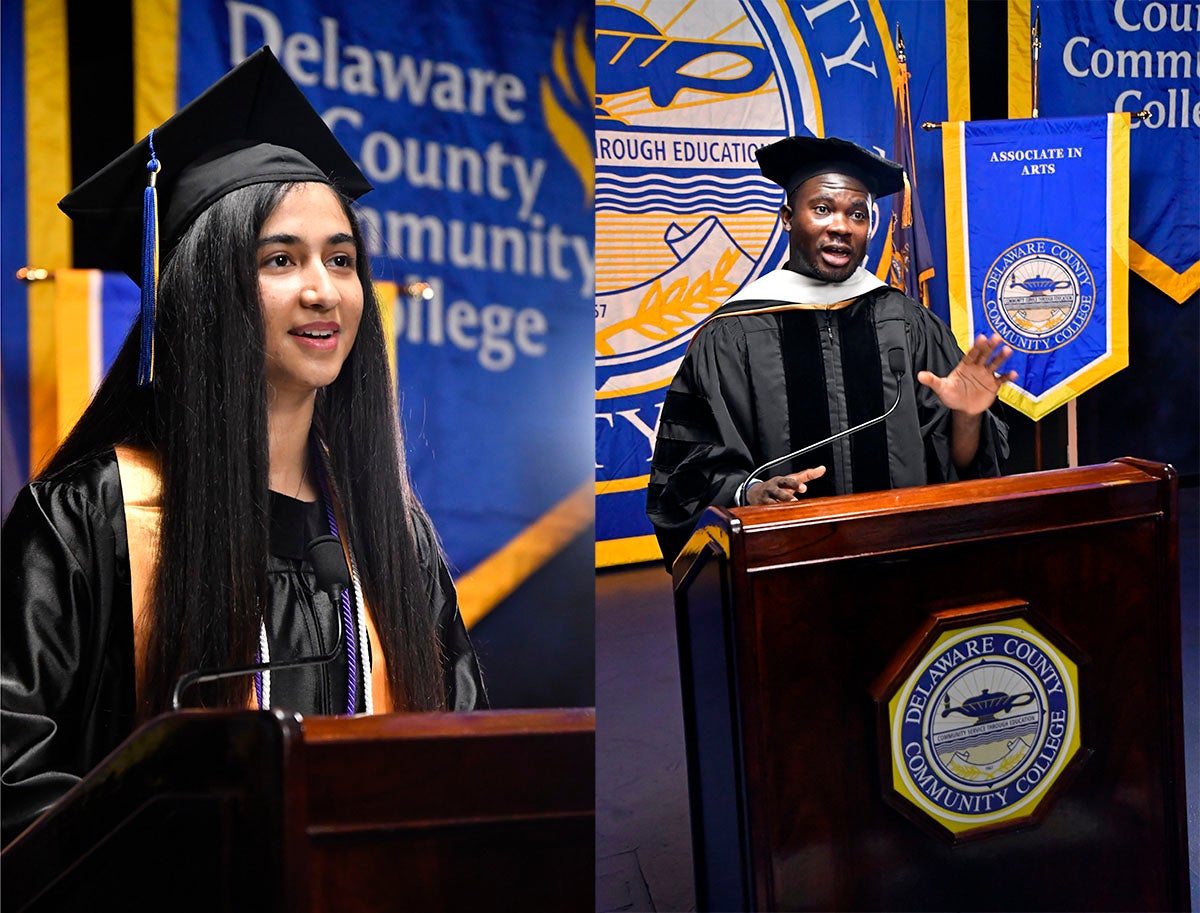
{"points": [[815, 348]]}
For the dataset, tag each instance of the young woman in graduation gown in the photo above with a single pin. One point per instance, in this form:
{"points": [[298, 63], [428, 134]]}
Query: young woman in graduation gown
{"points": [[169, 532]]}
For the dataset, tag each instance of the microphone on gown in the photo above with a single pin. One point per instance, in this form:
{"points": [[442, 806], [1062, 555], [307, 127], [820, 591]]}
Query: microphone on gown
{"points": [[898, 368], [333, 577]]}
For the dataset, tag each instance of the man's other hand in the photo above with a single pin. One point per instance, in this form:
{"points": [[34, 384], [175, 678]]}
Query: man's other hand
{"points": [[782, 489], [972, 386]]}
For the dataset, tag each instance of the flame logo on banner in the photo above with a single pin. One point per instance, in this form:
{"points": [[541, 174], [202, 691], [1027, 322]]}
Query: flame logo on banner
{"points": [[575, 86]]}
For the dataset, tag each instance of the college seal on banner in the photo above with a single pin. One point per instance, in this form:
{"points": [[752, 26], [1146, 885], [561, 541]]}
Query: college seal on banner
{"points": [[983, 724], [1039, 295]]}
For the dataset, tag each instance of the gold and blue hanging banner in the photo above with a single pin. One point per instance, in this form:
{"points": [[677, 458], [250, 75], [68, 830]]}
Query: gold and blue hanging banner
{"points": [[1037, 248], [36, 172]]}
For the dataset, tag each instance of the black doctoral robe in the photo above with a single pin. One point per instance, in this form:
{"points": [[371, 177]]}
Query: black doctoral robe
{"points": [[67, 688], [764, 378]]}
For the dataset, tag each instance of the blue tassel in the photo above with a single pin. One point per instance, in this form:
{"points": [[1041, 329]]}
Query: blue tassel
{"points": [[149, 268]]}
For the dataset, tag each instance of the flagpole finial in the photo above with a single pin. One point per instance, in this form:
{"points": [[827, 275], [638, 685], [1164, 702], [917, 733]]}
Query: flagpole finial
{"points": [[900, 45], [1035, 53]]}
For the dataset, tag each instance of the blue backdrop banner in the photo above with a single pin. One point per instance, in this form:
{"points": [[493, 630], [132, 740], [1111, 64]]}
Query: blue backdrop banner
{"points": [[14, 340], [1128, 55], [473, 123]]}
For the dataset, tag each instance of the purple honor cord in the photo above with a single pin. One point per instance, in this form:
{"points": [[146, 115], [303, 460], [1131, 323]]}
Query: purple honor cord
{"points": [[349, 629]]}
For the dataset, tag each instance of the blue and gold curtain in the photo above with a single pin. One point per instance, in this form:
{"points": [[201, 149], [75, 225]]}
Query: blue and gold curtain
{"points": [[36, 173]]}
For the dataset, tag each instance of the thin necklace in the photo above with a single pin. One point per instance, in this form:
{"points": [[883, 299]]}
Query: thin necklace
{"points": [[352, 620]]}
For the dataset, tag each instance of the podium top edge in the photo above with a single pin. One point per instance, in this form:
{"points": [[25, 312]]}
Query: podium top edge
{"points": [[474, 723], [720, 527], [1118, 472]]}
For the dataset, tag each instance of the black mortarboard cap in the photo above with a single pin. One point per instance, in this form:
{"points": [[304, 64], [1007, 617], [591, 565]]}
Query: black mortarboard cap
{"points": [[251, 126], [219, 142], [792, 161]]}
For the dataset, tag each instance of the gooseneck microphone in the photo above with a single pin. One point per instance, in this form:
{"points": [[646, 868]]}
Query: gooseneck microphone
{"points": [[895, 364], [333, 576]]}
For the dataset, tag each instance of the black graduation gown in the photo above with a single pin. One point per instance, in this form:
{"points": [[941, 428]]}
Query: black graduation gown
{"points": [[67, 689], [764, 378]]}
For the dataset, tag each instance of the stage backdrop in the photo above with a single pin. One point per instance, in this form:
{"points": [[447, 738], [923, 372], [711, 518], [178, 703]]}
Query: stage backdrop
{"points": [[685, 94], [34, 172], [13, 410], [473, 121]]}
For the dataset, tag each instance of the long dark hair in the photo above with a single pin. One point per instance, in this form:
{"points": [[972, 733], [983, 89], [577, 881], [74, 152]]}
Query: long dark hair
{"points": [[206, 417]]}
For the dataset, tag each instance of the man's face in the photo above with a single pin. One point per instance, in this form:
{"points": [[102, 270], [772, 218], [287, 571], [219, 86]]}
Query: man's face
{"points": [[828, 225]]}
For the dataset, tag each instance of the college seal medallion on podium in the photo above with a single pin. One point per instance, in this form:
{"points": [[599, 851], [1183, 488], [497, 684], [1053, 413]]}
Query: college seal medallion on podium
{"points": [[982, 720]]}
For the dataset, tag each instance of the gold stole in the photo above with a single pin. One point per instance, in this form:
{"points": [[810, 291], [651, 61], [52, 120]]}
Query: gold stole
{"points": [[141, 491]]}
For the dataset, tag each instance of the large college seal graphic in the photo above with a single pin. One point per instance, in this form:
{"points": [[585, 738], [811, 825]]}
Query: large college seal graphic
{"points": [[983, 725], [684, 218], [1039, 295]]}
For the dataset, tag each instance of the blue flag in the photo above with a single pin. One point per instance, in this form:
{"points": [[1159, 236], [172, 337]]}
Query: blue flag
{"points": [[911, 259], [1037, 237]]}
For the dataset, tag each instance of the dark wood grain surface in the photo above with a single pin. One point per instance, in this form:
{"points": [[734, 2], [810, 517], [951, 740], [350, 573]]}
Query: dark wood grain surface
{"points": [[217, 810], [468, 811], [822, 597]]}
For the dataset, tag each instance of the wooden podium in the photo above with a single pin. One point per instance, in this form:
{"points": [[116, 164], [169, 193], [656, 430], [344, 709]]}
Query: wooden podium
{"points": [[796, 626], [209, 811]]}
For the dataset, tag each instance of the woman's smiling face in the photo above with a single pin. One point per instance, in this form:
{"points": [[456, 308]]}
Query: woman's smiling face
{"points": [[309, 290]]}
